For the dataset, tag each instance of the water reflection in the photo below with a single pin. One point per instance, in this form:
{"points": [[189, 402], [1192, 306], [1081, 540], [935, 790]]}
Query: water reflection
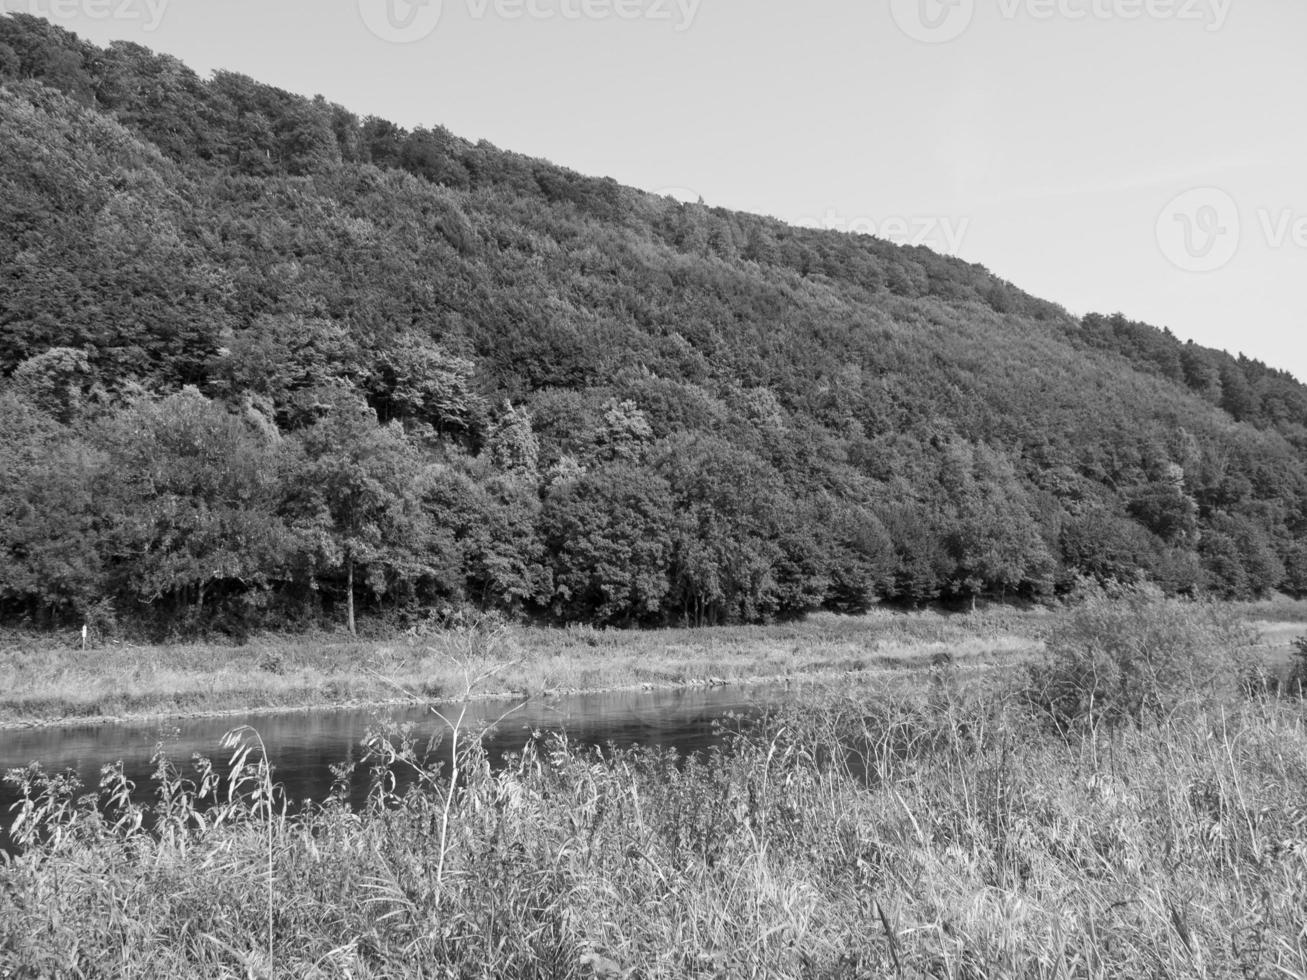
{"points": [[303, 746]]}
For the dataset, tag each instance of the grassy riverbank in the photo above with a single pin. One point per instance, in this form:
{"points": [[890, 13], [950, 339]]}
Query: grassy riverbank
{"points": [[43, 681], [1126, 807], [959, 838], [43, 684]]}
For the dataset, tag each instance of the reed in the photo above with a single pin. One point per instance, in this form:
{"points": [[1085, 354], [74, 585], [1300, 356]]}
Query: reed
{"points": [[42, 683], [946, 832]]}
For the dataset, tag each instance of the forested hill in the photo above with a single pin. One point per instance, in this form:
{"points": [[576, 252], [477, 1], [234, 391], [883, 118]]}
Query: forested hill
{"points": [[260, 355]]}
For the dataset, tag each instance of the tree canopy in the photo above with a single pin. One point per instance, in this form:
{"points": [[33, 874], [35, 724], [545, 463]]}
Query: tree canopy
{"points": [[262, 362]]}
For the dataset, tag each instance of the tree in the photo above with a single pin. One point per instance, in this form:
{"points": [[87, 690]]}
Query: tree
{"points": [[795, 389], [416, 380], [360, 488], [58, 382], [52, 519], [1239, 559], [729, 526], [1165, 509], [1236, 394], [282, 358], [991, 534], [10, 64], [608, 535], [623, 434], [1200, 373], [861, 558], [1105, 546], [512, 443], [1295, 574], [382, 142], [195, 498], [492, 519], [922, 563]]}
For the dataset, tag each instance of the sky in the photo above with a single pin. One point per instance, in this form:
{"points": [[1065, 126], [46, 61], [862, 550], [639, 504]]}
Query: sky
{"points": [[1141, 156]]}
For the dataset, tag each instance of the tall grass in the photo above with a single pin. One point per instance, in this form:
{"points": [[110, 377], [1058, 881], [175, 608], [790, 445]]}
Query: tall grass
{"points": [[1129, 654], [942, 835], [948, 831], [39, 683]]}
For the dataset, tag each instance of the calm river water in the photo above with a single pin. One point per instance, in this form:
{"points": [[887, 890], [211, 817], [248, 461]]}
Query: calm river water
{"points": [[304, 745]]}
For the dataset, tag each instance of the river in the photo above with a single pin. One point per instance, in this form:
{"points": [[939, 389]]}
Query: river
{"points": [[304, 745]]}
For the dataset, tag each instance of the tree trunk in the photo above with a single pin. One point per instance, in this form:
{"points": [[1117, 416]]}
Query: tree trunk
{"points": [[349, 591]]}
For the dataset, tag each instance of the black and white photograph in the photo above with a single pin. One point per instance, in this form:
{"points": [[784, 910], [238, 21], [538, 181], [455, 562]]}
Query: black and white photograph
{"points": [[653, 489]]}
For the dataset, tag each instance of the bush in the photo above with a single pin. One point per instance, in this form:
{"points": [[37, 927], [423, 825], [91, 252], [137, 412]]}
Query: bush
{"points": [[1297, 680], [1130, 655]]}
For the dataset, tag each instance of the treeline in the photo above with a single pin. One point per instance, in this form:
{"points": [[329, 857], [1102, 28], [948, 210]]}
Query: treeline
{"points": [[264, 361], [1248, 390], [193, 511]]}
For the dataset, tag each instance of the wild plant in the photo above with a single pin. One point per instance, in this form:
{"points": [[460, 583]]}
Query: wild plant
{"points": [[252, 794], [936, 829], [1130, 655], [47, 807], [1296, 683]]}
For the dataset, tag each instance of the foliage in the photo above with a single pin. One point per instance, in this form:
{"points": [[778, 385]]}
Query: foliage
{"points": [[837, 420], [925, 834], [357, 500], [1297, 679], [1129, 655], [609, 538], [192, 495], [56, 382]]}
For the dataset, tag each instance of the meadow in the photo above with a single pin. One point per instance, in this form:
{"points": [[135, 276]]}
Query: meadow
{"points": [[1131, 803], [45, 680]]}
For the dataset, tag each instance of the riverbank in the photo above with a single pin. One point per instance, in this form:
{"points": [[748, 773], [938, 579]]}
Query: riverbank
{"points": [[962, 839], [1137, 810], [42, 684]]}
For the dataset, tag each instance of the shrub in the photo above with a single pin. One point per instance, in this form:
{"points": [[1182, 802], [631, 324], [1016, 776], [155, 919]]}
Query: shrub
{"points": [[1297, 680], [1130, 655]]}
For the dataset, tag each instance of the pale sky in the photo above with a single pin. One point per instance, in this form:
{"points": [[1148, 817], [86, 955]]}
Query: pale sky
{"points": [[1146, 156]]}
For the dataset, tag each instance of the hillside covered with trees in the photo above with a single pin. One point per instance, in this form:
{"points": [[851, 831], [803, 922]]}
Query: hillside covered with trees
{"points": [[265, 363]]}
